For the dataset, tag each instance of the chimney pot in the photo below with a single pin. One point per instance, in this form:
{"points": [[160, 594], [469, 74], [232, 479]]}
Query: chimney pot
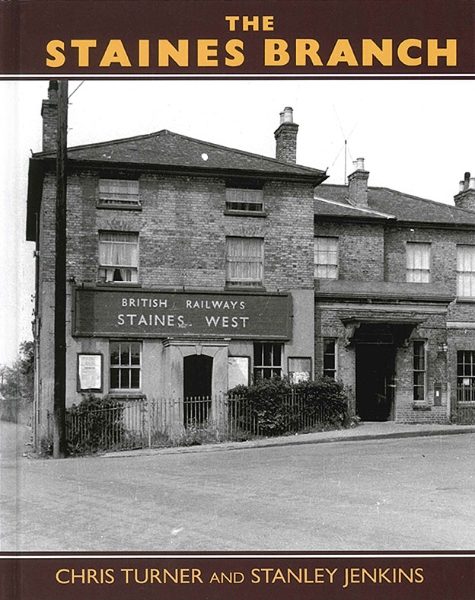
{"points": [[465, 198], [286, 137], [49, 112], [358, 184]]}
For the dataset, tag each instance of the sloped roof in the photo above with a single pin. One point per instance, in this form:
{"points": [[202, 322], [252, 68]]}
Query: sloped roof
{"points": [[167, 149], [385, 203]]}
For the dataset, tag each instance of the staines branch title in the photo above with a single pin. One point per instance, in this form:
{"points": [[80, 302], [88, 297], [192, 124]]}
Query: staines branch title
{"points": [[275, 52]]}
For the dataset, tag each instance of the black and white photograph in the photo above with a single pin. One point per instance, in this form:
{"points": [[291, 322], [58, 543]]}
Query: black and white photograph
{"points": [[267, 315]]}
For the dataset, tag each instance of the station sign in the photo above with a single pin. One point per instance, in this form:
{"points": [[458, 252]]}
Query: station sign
{"points": [[117, 312]]}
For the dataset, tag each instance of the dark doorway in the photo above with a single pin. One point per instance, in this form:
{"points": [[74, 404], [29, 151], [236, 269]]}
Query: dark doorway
{"points": [[375, 373], [197, 373]]}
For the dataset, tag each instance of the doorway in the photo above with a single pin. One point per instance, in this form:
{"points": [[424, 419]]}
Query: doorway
{"points": [[375, 376], [197, 376]]}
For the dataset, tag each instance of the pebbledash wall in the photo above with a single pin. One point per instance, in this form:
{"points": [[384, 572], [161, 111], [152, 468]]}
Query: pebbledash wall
{"points": [[187, 324]]}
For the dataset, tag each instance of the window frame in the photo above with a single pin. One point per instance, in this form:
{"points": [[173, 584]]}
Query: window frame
{"points": [[418, 273], [231, 259], [118, 199], [334, 266], [461, 389], [249, 207], [470, 273], [122, 367], [263, 368], [334, 341], [134, 269], [418, 371]]}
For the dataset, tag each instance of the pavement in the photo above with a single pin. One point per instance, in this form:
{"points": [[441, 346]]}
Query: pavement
{"points": [[364, 431]]}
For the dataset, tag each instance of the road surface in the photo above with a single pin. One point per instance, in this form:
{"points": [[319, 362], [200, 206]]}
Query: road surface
{"points": [[403, 494]]}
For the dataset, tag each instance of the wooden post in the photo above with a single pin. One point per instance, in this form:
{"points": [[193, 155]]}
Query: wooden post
{"points": [[59, 432]]}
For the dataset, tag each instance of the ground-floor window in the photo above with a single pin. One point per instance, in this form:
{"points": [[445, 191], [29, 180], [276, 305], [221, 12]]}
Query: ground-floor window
{"points": [[267, 360], [329, 358], [466, 375], [419, 371], [125, 365]]}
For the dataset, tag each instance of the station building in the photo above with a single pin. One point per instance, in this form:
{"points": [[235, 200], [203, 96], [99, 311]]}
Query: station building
{"points": [[194, 267]]}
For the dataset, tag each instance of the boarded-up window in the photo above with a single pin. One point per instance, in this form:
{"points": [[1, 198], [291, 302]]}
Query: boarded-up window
{"points": [[417, 262], [118, 191], [244, 261], [326, 258], [118, 256], [466, 271]]}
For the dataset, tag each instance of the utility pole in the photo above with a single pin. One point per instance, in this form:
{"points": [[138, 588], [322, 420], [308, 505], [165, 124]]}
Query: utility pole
{"points": [[59, 432]]}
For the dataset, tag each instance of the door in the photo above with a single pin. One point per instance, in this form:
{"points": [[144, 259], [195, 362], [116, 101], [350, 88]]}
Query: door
{"points": [[375, 375], [197, 374]]}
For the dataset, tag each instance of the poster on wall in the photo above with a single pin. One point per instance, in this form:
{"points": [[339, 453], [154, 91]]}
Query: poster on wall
{"points": [[90, 372], [202, 194]]}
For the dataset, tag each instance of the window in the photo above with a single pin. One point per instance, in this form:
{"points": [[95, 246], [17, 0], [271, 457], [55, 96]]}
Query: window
{"points": [[267, 360], [326, 258], [466, 271], [466, 376], [244, 261], [329, 358], [118, 256], [247, 200], [419, 371], [417, 262], [119, 191], [125, 365]]}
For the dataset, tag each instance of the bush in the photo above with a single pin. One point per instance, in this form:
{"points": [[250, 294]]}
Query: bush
{"points": [[94, 424], [275, 406]]}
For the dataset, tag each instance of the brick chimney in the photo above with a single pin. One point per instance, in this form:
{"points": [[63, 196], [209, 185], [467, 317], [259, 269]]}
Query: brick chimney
{"points": [[466, 196], [358, 185], [49, 112], [286, 137]]}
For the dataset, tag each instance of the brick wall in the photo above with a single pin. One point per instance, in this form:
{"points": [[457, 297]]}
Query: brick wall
{"points": [[360, 249]]}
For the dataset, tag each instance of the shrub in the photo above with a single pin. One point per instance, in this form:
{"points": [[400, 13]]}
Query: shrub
{"points": [[94, 424], [275, 406]]}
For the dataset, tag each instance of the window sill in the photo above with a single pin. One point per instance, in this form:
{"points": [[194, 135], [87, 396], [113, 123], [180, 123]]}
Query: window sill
{"points": [[245, 213], [112, 206], [466, 403], [244, 288], [113, 284], [467, 299], [421, 406], [126, 394]]}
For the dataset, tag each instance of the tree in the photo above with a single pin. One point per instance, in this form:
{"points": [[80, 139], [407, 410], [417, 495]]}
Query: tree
{"points": [[16, 385]]}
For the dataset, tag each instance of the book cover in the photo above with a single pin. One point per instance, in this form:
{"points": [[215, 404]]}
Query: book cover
{"points": [[238, 316]]}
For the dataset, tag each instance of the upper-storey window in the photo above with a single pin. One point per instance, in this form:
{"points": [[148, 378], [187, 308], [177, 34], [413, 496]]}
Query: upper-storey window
{"points": [[118, 256], [122, 192], [326, 257], [246, 200], [244, 261], [417, 262], [466, 271]]}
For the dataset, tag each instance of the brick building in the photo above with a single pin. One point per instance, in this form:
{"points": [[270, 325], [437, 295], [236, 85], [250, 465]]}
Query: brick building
{"points": [[192, 267]]}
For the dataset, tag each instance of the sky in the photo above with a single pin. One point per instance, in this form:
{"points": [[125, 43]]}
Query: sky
{"points": [[416, 136]]}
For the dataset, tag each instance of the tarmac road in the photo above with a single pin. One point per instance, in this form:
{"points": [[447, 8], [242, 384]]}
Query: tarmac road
{"points": [[389, 494]]}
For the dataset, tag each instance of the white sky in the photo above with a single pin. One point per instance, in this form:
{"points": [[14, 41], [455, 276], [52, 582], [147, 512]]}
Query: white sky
{"points": [[416, 136]]}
